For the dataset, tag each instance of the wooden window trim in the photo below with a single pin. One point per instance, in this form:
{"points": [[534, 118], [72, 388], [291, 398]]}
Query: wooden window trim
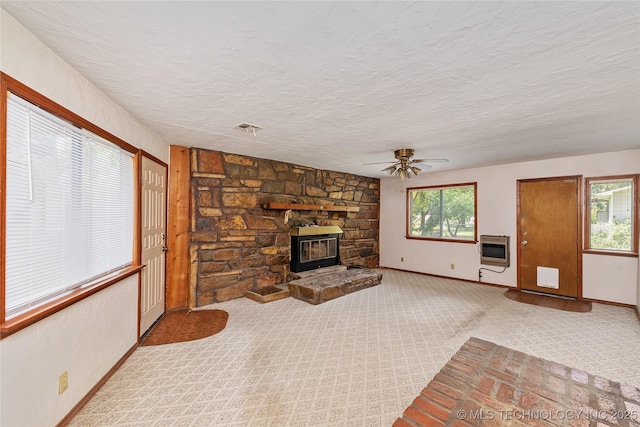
{"points": [[443, 239], [38, 313], [21, 321], [587, 216]]}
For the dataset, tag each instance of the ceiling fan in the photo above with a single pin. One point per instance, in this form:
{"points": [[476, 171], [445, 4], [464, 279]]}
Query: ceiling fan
{"points": [[404, 165]]}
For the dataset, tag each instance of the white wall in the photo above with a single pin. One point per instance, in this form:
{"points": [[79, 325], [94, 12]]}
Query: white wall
{"points": [[609, 278], [25, 58], [88, 338]]}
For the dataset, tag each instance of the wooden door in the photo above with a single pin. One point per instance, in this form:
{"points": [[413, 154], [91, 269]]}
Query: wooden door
{"points": [[549, 239], [152, 284]]}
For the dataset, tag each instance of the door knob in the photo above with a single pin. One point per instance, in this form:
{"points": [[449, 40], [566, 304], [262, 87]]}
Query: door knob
{"points": [[524, 243]]}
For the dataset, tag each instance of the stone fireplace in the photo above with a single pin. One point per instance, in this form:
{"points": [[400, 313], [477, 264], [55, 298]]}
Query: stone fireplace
{"points": [[236, 234], [314, 247]]}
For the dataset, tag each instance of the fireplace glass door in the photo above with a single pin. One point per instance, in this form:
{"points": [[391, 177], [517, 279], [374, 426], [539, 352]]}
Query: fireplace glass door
{"points": [[317, 249]]}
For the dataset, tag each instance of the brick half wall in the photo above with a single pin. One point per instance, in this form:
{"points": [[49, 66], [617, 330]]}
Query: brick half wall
{"points": [[236, 244]]}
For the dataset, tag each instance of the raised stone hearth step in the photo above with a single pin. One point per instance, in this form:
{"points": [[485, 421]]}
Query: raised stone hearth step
{"points": [[318, 288], [324, 270]]}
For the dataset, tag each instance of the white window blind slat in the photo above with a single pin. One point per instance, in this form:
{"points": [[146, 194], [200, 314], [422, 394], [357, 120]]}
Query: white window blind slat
{"points": [[69, 207]]}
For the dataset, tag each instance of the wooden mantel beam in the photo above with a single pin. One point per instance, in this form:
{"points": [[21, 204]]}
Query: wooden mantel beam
{"points": [[302, 207]]}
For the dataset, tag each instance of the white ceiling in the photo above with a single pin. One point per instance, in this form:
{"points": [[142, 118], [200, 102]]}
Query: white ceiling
{"points": [[336, 85]]}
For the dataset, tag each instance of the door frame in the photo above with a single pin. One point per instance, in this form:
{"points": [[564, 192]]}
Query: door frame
{"points": [[138, 229], [579, 230]]}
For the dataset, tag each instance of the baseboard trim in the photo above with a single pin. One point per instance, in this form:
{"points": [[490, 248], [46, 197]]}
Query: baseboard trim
{"points": [[617, 304], [451, 278], [67, 419]]}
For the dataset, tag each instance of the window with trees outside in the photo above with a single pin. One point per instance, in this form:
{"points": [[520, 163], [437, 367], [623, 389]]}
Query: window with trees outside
{"points": [[443, 212], [611, 223]]}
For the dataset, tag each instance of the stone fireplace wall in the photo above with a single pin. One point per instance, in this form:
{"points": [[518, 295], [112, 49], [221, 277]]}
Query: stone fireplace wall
{"points": [[237, 244]]}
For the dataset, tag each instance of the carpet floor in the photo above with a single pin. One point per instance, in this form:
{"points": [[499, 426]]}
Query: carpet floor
{"points": [[357, 360], [488, 384]]}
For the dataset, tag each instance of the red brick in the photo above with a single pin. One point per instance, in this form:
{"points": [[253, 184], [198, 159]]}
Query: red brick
{"points": [[527, 400], [485, 385], [518, 356], [401, 423], [482, 345], [540, 391], [580, 394], [497, 362], [466, 360], [536, 361], [578, 422], [468, 407], [533, 375], [452, 382], [557, 384], [513, 368], [488, 401], [444, 389], [557, 369], [556, 414], [604, 384], [503, 351], [431, 409], [420, 418], [506, 377], [462, 378], [440, 399], [461, 367], [580, 376], [505, 393], [458, 423]]}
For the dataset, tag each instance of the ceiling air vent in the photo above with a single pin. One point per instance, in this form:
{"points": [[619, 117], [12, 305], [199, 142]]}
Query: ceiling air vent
{"points": [[248, 127]]}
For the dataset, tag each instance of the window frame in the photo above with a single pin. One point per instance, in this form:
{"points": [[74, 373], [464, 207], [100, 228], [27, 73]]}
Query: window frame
{"points": [[408, 235], [33, 315], [635, 179]]}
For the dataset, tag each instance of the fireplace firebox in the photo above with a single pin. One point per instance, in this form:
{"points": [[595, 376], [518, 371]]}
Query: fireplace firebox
{"points": [[314, 247]]}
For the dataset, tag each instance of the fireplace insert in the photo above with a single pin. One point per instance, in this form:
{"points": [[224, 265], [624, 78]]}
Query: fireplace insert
{"points": [[314, 247]]}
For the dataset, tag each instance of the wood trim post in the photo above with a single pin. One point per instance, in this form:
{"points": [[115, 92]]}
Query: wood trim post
{"points": [[178, 265]]}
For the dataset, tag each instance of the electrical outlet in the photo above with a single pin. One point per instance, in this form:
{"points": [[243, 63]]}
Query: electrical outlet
{"points": [[63, 382], [453, 266]]}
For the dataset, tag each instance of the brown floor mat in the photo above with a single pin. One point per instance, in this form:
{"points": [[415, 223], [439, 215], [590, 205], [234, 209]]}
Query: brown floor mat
{"points": [[185, 325], [549, 301]]}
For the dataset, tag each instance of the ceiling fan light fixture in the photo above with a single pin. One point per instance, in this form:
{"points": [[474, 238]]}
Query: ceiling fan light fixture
{"points": [[390, 170], [404, 167]]}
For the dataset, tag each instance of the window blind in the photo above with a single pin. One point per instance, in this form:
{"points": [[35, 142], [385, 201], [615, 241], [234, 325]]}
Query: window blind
{"points": [[69, 207]]}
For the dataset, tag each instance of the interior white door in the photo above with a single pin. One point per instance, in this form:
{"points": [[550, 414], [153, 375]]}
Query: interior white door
{"points": [[154, 232]]}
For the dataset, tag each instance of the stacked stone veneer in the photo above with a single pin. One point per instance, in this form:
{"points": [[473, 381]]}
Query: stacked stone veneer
{"points": [[236, 244]]}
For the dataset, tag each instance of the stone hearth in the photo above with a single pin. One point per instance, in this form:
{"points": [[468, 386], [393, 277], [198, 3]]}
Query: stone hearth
{"points": [[324, 284]]}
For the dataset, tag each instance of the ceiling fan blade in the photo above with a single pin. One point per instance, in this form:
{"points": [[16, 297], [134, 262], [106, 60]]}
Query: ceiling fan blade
{"points": [[422, 165], [429, 160], [378, 163]]}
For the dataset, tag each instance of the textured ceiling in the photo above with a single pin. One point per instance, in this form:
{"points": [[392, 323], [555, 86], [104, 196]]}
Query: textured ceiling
{"points": [[336, 85]]}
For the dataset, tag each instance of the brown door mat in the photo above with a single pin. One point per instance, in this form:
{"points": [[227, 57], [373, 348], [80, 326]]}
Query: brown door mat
{"points": [[185, 325], [549, 301]]}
